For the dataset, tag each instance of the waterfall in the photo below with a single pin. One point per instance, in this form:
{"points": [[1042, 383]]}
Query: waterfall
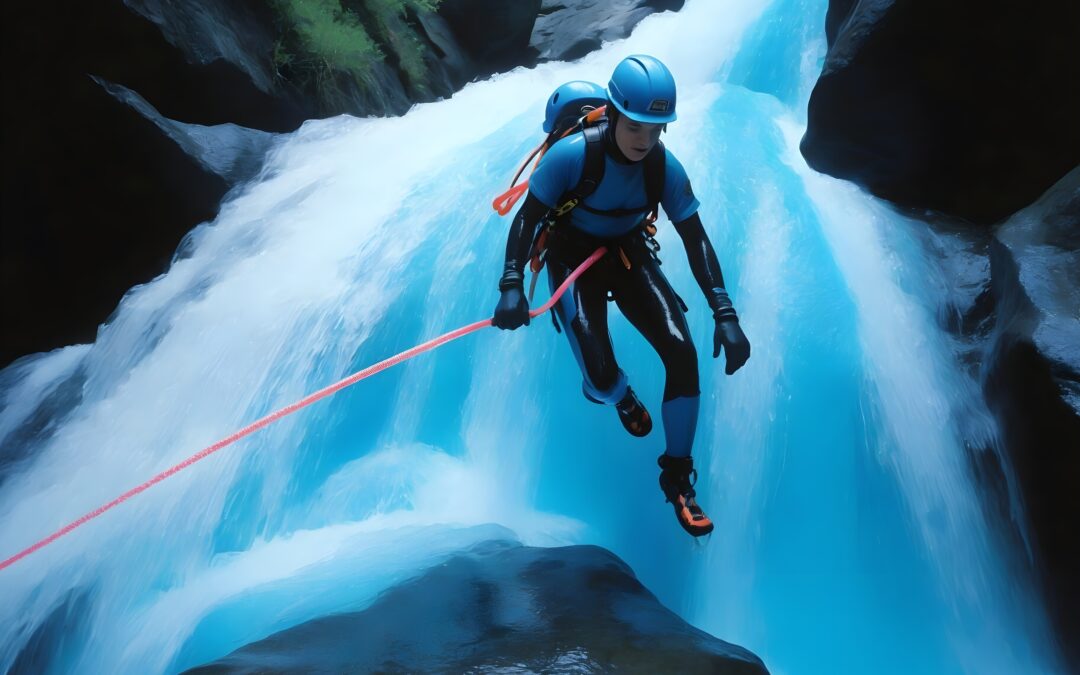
{"points": [[851, 535]]}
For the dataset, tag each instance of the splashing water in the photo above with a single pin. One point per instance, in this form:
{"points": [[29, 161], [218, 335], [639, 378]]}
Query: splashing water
{"points": [[850, 535]]}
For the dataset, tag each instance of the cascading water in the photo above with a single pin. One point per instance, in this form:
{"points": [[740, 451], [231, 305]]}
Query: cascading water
{"points": [[850, 535]]}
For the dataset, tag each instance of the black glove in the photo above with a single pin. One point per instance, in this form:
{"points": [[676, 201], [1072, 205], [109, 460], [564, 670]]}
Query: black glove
{"points": [[736, 347], [728, 333], [512, 310]]}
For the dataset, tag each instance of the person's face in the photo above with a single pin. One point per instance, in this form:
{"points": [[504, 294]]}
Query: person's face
{"points": [[636, 139]]}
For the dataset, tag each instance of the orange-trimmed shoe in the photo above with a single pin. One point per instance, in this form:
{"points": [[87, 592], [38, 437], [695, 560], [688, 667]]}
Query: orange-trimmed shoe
{"points": [[677, 480], [633, 415]]}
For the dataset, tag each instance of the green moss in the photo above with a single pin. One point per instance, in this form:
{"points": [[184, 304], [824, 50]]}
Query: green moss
{"points": [[396, 35], [327, 33], [282, 57], [322, 40]]}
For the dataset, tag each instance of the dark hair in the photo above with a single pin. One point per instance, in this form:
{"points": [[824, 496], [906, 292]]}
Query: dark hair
{"points": [[612, 114]]}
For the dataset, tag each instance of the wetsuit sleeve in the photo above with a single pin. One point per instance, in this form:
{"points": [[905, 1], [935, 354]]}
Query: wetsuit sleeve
{"points": [[523, 230], [705, 266], [678, 199]]}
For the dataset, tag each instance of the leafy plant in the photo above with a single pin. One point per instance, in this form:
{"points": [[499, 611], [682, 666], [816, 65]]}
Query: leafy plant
{"points": [[321, 41]]}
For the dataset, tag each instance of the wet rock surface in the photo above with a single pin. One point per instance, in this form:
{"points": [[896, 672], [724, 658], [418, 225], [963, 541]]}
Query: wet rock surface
{"points": [[569, 29], [1013, 305], [493, 32], [502, 607], [1032, 382]]}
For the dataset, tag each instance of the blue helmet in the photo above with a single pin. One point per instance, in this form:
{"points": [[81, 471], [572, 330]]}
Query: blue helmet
{"points": [[566, 102], [643, 89]]}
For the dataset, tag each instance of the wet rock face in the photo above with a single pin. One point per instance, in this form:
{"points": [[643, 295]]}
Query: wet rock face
{"points": [[96, 198], [238, 32], [502, 605], [493, 32], [1032, 381], [569, 29], [1014, 304], [962, 107]]}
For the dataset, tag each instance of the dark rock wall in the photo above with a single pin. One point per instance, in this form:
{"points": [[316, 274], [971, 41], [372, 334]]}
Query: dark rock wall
{"points": [[1032, 382], [95, 198], [493, 32], [963, 107], [239, 32]]}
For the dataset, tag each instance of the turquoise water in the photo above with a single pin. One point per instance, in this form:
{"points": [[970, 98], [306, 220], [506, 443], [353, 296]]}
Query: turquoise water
{"points": [[850, 536]]}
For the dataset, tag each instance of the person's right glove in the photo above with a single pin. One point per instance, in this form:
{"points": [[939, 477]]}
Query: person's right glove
{"points": [[513, 309]]}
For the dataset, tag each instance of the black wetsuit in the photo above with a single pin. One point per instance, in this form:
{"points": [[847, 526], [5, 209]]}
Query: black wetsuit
{"points": [[642, 293]]}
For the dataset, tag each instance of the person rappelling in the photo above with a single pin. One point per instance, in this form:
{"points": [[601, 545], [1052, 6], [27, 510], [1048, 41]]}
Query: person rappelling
{"points": [[601, 175]]}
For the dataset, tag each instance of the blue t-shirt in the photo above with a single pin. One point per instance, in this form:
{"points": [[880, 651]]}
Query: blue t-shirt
{"points": [[623, 187]]}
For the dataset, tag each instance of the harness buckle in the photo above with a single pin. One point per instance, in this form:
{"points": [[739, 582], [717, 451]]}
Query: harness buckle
{"points": [[567, 207]]}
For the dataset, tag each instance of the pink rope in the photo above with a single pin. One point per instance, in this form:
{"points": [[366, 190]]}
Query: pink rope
{"points": [[306, 401]]}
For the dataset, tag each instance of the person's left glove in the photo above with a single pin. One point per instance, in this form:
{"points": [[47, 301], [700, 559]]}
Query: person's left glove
{"points": [[728, 334]]}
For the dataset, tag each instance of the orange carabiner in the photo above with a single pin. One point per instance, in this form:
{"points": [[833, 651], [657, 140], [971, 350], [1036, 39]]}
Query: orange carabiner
{"points": [[504, 202], [595, 114]]}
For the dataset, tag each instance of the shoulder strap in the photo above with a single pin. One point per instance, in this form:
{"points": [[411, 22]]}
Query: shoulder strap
{"points": [[654, 166], [592, 172]]}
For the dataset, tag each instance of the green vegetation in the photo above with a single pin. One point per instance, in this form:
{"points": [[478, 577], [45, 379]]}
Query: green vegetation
{"points": [[389, 18], [321, 41]]}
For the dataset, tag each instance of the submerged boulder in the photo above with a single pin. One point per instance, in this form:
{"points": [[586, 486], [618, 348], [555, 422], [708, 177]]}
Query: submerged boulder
{"points": [[502, 607]]}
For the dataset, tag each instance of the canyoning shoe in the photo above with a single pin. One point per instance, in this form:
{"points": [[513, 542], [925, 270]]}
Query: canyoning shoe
{"points": [[677, 480], [633, 415]]}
